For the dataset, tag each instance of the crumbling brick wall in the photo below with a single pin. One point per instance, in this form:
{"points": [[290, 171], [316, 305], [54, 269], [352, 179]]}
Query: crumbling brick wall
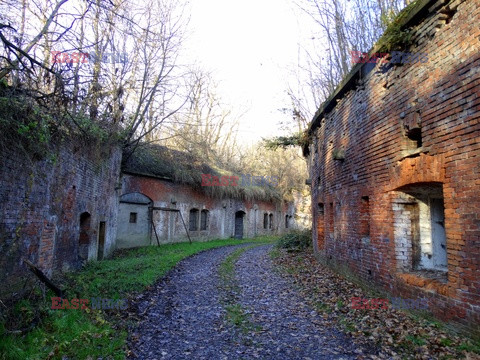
{"points": [[41, 203], [370, 121], [165, 194]]}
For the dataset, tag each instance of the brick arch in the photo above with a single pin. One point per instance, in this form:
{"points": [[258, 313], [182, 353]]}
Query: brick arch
{"points": [[420, 169], [136, 198]]}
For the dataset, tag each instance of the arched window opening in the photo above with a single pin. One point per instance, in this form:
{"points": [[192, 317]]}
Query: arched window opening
{"points": [[193, 220], [204, 220]]}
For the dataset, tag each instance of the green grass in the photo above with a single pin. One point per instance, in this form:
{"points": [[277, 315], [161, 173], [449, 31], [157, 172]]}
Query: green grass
{"points": [[236, 314], [136, 269], [446, 342], [322, 307], [80, 334], [347, 324], [416, 340], [470, 347]]}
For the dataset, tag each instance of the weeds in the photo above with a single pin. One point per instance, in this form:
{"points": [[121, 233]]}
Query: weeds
{"points": [[89, 333], [296, 240]]}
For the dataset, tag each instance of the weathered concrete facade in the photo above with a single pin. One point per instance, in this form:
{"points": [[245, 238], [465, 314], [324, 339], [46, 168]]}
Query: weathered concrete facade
{"points": [[395, 161], [57, 213], [147, 199]]}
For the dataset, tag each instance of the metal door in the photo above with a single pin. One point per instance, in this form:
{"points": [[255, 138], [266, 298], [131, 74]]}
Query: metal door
{"points": [[239, 215]]}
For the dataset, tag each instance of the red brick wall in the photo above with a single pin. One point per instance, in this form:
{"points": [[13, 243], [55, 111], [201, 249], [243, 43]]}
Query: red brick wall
{"points": [[185, 197], [41, 203], [444, 94]]}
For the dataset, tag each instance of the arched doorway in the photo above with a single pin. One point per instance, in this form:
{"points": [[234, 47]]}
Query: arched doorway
{"points": [[84, 237], [239, 216]]}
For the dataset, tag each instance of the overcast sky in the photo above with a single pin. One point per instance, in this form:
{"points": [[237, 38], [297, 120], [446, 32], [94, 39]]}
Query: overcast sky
{"points": [[249, 46]]}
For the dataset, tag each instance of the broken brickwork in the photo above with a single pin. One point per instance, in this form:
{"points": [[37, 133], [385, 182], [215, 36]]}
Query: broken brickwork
{"points": [[150, 208], [56, 212], [394, 161]]}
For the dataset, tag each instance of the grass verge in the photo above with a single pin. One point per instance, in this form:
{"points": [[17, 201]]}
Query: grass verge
{"points": [[90, 333], [236, 313]]}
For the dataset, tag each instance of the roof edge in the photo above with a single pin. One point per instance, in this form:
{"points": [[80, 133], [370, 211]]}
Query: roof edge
{"points": [[413, 16]]}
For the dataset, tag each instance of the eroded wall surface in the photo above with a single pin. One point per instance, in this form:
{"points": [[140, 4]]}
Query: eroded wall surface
{"points": [[220, 215], [395, 169], [43, 204]]}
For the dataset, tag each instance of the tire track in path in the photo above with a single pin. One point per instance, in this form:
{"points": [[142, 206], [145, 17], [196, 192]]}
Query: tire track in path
{"points": [[185, 314]]}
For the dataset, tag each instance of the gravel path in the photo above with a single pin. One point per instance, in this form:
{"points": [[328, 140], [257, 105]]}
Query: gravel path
{"points": [[183, 316], [291, 328]]}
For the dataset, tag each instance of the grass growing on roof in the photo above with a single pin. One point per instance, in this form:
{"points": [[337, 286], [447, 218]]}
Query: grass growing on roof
{"points": [[161, 162]]}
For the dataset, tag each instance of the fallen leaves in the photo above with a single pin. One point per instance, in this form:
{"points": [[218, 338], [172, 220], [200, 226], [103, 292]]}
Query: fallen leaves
{"points": [[398, 334]]}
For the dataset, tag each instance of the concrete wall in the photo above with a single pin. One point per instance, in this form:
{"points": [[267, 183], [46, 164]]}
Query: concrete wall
{"points": [[169, 226], [41, 203], [136, 232], [371, 123]]}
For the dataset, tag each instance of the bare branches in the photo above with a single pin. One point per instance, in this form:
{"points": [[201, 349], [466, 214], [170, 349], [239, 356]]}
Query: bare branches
{"points": [[342, 26], [20, 54], [205, 128], [112, 64], [34, 41]]}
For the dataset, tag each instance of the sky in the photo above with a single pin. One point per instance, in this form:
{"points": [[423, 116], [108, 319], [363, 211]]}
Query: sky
{"points": [[251, 47]]}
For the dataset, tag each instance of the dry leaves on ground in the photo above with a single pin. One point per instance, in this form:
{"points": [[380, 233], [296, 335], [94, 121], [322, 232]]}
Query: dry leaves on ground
{"points": [[398, 333]]}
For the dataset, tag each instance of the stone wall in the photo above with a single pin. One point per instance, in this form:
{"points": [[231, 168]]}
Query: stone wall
{"points": [[44, 202], [166, 196], [410, 135]]}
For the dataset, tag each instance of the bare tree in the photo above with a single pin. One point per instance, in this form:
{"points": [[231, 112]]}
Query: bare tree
{"points": [[206, 128], [342, 26], [117, 70], [15, 55]]}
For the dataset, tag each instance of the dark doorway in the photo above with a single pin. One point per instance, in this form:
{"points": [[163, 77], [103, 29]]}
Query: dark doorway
{"points": [[193, 220], [84, 237], [239, 215], [101, 239]]}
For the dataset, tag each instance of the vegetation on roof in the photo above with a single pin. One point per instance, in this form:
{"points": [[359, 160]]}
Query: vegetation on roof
{"points": [[396, 35], [183, 168], [36, 129], [297, 139]]}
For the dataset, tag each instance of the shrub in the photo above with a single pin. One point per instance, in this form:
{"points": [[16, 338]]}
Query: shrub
{"points": [[296, 239]]}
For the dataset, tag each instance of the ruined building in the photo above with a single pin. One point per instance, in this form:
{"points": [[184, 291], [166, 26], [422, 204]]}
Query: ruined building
{"points": [[76, 205], [163, 200], [394, 161], [56, 212]]}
